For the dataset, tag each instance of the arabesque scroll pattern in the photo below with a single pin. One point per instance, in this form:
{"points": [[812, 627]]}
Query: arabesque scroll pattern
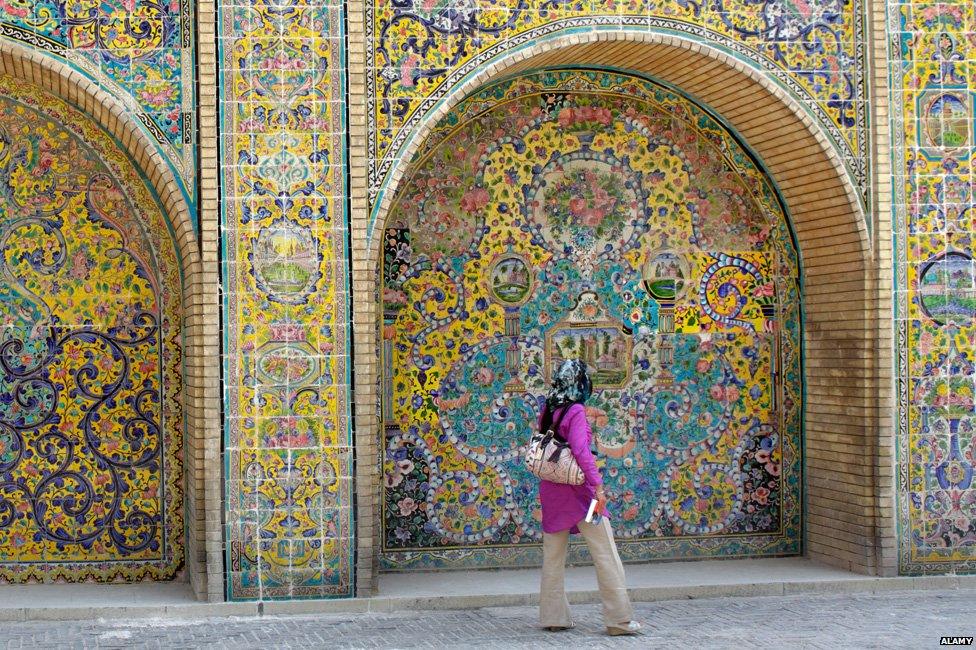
{"points": [[287, 437], [90, 355], [140, 51]]}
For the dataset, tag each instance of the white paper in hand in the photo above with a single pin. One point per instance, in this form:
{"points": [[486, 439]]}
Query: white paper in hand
{"points": [[589, 513]]}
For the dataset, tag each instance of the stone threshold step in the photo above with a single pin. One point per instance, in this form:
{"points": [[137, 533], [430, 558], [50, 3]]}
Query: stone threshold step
{"points": [[453, 590]]}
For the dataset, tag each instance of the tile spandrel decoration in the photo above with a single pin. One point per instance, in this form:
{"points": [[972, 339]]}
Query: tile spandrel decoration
{"points": [[422, 49], [140, 51]]}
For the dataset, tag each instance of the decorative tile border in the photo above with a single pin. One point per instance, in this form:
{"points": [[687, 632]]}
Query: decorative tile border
{"points": [[288, 456]]}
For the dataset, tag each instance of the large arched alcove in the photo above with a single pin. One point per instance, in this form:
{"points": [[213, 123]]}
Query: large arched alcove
{"points": [[589, 214], [841, 369], [93, 351]]}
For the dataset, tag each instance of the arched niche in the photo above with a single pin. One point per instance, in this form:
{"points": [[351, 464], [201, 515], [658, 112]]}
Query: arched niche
{"points": [[571, 213], [93, 347], [842, 371]]}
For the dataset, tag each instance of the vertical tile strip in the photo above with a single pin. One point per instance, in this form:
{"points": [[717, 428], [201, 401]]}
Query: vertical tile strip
{"points": [[287, 452], [933, 93]]}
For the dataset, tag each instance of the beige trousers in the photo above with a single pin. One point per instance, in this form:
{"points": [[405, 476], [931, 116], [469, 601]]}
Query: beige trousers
{"points": [[553, 605]]}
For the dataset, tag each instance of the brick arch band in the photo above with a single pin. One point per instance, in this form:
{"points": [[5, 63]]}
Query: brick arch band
{"points": [[63, 81], [842, 370], [74, 87]]}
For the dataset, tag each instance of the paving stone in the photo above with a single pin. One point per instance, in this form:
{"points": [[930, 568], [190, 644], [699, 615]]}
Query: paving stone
{"points": [[888, 619]]}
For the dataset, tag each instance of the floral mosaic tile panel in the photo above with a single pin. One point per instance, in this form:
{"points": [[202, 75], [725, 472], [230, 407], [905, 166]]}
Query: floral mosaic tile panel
{"points": [[140, 51], [419, 50], [287, 440], [933, 89], [91, 423], [606, 217]]}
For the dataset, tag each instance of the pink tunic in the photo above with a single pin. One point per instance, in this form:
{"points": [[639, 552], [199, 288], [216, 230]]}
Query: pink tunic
{"points": [[564, 506]]}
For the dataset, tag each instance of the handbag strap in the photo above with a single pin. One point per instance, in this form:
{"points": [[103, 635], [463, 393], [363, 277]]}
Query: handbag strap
{"points": [[554, 427]]}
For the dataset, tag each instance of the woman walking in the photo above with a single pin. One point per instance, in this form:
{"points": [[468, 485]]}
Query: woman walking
{"points": [[564, 509]]}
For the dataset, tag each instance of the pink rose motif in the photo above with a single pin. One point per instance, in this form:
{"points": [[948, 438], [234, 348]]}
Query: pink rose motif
{"points": [[577, 205], [926, 343], [592, 218], [395, 476], [717, 392], [760, 237], [484, 376], [761, 495], [405, 466], [566, 117], [79, 265], [765, 290], [474, 199], [407, 506], [20, 12], [702, 366], [598, 417], [804, 8], [602, 198], [393, 479], [158, 97], [394, 296]]}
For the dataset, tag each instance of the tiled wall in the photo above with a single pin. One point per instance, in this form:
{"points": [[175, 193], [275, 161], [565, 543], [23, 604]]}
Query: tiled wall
{"points": [[417, 52], [595, 215], [933, 88], [283, 219], [139, 51], [91, 354], [288, 459]]}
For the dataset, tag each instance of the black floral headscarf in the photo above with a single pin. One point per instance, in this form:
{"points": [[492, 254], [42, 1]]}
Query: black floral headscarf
{"points": [[570, 385]]}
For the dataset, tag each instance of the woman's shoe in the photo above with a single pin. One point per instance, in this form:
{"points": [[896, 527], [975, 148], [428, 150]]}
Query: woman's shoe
{"points": [[632, 628], [559, 628]]}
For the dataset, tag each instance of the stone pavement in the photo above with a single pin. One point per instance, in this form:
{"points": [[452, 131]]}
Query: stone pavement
{"points": [[893, 619]]}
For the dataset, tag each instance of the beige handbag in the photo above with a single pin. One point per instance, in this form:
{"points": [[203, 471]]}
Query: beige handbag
{"points": [[549, 457]]}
